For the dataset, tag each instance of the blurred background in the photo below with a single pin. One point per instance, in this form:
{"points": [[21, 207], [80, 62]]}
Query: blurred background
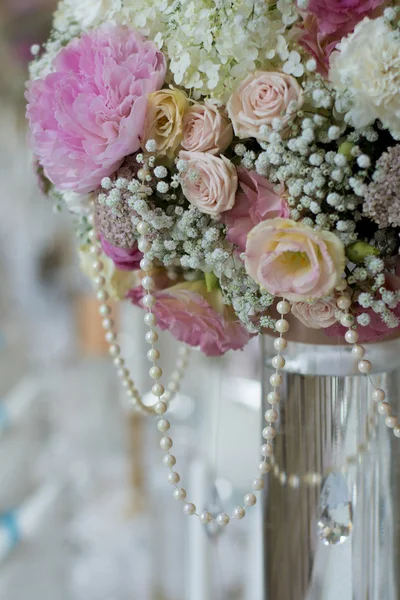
{"points": [[86, 512]]}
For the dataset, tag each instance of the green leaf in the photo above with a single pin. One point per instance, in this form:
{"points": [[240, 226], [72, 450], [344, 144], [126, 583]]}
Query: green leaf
{"points": [[212, 282]]}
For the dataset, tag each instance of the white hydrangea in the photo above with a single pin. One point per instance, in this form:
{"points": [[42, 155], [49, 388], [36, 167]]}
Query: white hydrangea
{"points": [[77, 203], [366, 68], [212, 46], [85, 13]]}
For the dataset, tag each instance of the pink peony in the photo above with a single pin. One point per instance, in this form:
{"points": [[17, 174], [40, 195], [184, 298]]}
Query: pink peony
{"points": [[291, 260], [123, 258], [88, 114], [341, 16], [257, 201], [319, 45], [197, 317]]}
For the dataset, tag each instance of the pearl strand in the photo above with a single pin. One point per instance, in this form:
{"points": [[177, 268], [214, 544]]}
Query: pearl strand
{"points": [[364, 366], [115, 350]]}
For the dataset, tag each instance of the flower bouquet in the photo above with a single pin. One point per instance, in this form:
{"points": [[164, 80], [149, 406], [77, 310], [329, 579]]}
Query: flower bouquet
{"points": [[228, 163]]}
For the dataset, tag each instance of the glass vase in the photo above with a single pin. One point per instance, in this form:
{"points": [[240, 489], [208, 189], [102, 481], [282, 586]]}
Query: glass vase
{"points": [[330, 520]]}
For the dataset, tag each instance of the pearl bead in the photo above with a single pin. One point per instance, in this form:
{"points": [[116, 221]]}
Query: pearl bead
{"points": [[258, 484], [391, 422], [176, 376], [378, 395], [189, 509], [396, 431], [163, 425], [282, 326], [99, 281], [97, 266], [342, 285], [173, 478], [114, 350], [266, 450], [179, 494], [358, 351], [222, 520], [173, 386], [351, 336], [294, 481], [169, 460], [384, 408], [250, 499], [343, 302], [151, 337], [122, 372], [264, 467], [128, 383], [166, 397], [144, 245], [273, 398], [364, 366], [155, 372], [278, 362], [157, 389], [280, 344], [118, 362], [146, 264], [153, 354], [110, 337], [271, 415], [102, 296], [104, 310], [150, 319], [142, 227], [160, 408], [205, 518], [275, 379], [166, 443], [143, 174], [148, 301], [238, 512], [283, 307], [107, 324], [269, 433], [148, 283], [347, 320]]}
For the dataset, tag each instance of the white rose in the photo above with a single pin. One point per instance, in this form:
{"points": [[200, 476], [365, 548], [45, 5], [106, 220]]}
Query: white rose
{"points": [[367, 67]]}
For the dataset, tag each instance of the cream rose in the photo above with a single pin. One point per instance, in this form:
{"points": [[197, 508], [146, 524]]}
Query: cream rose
{"points": [[164, 120], [206, 129], [319, 314], [294, 261], [260, 98], [209, 182]]}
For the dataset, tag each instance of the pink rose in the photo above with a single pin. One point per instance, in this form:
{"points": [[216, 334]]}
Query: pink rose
{"points": [[126, 259], [260, 98], [319, 45], [316, 315], [257, 201], [341, 16], [206, 129], [209, 182], [293, 261], [89, 114], [197, 317]]}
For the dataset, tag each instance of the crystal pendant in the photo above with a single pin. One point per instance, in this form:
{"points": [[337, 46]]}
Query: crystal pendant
{"points": [[335, 511]]}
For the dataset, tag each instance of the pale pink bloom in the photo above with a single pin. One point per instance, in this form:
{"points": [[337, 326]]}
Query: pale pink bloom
{"points": [[291, 260], [320, 45], [197, 317], [257, 200], [341, 16], [260, 98], [206, 129], [316, 315], [88, 114], [209, 182], [126, 259]]}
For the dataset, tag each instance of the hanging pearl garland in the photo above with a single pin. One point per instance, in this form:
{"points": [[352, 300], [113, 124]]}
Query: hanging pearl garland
{"points": [[164, 396], [151, 337]]}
